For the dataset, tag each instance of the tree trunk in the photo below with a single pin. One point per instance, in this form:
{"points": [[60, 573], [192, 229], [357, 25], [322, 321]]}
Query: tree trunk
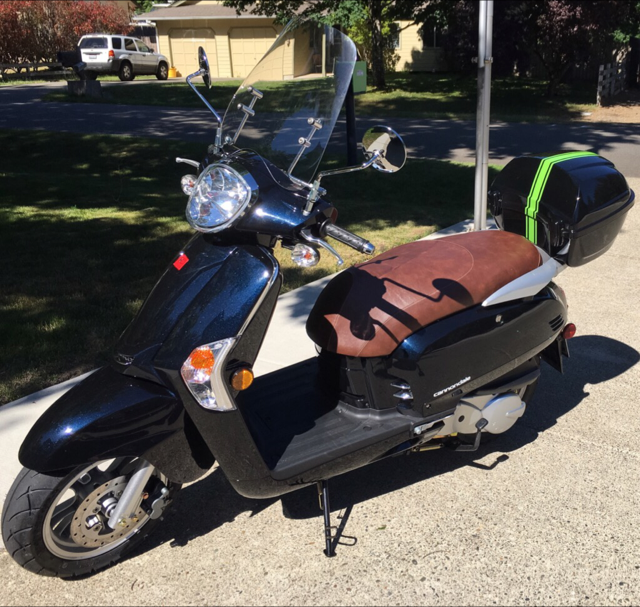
{"points": [[377, 45], [555, 78], [634, 61]]}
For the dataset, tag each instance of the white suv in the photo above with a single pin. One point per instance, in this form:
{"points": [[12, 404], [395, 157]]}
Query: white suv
{"points": [[123, 55]]}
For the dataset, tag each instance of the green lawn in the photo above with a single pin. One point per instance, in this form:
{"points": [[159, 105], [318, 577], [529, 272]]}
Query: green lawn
{"points": [[408, 95], [88, 223], [16, 79]]}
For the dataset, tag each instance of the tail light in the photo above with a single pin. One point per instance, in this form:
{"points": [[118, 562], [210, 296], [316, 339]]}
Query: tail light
{"points": [[112, 55], [569, 331]]}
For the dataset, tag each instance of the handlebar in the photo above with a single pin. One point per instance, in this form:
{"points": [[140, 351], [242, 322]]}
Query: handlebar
{"points": [[349, 238]]}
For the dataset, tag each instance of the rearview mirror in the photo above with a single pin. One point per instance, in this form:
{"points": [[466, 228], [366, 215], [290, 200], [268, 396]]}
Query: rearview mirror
{"points": [[204, 67], [392, 153]]}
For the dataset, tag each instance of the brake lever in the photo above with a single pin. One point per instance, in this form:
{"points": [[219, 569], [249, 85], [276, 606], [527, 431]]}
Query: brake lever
{"points": [[193, 163], [307, 235]]}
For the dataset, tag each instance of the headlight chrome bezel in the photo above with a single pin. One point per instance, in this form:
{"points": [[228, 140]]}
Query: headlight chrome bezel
{"points": [[246, 180]]}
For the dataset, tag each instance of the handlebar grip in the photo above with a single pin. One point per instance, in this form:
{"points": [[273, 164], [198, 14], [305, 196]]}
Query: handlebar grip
{"points": [[352, 240]]}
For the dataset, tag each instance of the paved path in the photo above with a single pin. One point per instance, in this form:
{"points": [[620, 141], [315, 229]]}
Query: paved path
{"points": [[442, 139], [546, 514]]}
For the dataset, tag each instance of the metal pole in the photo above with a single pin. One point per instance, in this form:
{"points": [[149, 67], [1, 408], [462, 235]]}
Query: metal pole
{"points": [[324, 52], [352, 142], [485, 34]]}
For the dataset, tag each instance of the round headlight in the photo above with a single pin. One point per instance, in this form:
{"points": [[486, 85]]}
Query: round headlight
{"points": [[219, 196]]}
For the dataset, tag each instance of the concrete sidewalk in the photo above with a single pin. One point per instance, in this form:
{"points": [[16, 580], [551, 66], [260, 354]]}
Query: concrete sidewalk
{"points": [[545, 514]]}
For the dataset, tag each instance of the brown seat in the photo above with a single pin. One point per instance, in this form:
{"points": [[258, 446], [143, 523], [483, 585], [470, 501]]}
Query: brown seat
{"points": [[369, 309]]}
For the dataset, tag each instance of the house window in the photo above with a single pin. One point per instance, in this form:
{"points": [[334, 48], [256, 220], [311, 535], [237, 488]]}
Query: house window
{"points": [[394, 38], [430, 34]]}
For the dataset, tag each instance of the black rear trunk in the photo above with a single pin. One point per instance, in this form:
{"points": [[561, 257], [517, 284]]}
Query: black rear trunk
{"points": [[571, 204]]}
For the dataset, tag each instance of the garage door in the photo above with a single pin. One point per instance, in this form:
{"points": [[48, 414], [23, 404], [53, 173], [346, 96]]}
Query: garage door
{"points": [[248, 45], [184, 49]]}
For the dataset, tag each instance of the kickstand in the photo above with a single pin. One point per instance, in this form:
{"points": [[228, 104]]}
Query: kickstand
{"points": [[323, 496]]}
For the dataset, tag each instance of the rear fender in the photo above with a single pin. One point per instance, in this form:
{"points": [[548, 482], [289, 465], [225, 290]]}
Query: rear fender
{"points": [[112, 415]]}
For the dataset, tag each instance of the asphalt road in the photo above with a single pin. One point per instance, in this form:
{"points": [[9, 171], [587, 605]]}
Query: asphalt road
{"points": [[441, 139]]}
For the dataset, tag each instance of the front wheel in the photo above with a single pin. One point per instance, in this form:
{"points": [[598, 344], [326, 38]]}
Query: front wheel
{"points": [[59, 526]]}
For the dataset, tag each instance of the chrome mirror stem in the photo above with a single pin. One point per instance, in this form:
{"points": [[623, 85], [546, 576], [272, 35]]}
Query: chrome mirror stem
{"points": [[200, 72], [353, 169], [315, 188]]}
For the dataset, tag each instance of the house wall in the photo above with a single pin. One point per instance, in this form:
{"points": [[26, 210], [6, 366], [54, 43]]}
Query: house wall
{"points": [[217, 47], [413, 57]]}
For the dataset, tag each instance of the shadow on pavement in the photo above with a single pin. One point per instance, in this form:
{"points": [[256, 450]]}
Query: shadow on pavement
{"points": [[210, 503]]}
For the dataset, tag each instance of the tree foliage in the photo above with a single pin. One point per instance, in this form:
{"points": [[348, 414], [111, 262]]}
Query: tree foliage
{"points": [[35, 30], [560, 32], [360, 33], [143, 6]]}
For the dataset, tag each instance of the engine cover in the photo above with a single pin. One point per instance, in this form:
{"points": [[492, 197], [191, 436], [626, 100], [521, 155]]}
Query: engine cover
{"points": [[501, 413]]}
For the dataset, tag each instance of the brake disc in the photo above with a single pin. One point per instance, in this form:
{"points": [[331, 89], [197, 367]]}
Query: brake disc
{"points": [[89, 527]]}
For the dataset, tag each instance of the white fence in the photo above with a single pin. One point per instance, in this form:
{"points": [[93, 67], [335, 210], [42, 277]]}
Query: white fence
{"points": [[612, 79]]}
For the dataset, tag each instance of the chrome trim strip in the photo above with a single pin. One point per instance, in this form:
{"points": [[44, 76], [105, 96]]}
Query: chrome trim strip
{"points": [[219, 386], [224, 402], [265, 292]]}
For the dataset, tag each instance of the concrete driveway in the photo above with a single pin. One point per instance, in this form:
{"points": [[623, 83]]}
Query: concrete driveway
{"points": [[441, 139], [547, 514]]}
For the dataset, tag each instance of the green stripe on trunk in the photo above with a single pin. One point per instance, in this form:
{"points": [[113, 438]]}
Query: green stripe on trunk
{"points": [[537, 189]]}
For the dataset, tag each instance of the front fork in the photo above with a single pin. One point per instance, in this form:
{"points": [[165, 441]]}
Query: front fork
{"points": [[132, 496]]}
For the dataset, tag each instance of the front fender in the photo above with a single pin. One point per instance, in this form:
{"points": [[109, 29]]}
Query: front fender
{"points": [[112, 415]]}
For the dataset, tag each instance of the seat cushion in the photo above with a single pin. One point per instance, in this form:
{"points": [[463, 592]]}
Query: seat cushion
{"points": [[369, 309]]}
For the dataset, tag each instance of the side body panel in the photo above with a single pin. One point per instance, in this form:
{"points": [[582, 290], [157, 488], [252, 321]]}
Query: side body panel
{"points": [[456, 355]]}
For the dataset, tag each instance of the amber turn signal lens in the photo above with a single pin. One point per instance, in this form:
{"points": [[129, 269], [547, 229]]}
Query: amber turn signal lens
{"points": [[202, 359], [242, 379], [569, 331]]}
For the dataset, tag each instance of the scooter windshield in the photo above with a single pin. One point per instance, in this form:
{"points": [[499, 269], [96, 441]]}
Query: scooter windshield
{"points": [[291, 100]]}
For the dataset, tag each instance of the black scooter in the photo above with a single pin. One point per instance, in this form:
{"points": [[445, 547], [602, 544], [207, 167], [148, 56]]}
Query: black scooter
{"points": [[429, 345]]}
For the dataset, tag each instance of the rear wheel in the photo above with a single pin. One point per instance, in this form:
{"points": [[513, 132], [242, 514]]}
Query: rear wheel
{"points": [[126, 72], [59, 526], [163, 72]]}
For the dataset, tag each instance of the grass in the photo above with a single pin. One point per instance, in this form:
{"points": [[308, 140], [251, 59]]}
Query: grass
{"points": [[15, 79], [444, 96], [89, 222]]}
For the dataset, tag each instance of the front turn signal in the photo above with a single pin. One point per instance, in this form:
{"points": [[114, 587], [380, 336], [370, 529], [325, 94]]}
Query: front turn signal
{"points": [[203, 373], [242, 379]]}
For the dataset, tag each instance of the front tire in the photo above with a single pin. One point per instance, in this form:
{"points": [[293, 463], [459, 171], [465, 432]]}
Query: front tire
{"points": [[55, 526]]}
